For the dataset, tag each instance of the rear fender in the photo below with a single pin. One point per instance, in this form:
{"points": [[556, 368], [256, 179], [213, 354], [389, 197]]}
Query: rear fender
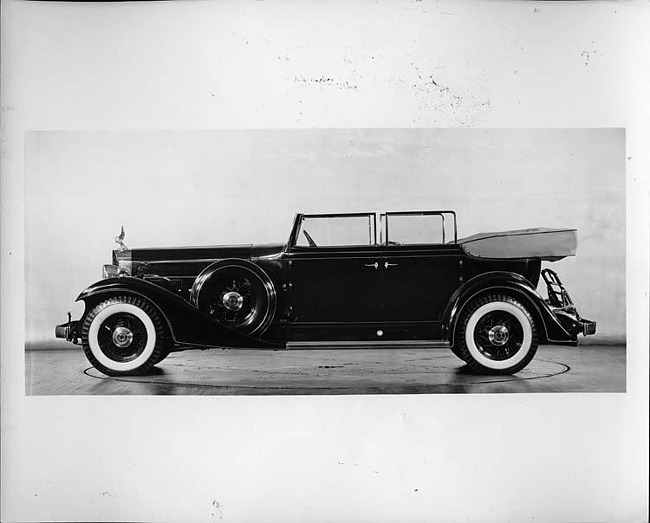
{"points": [[187, 324], [549, 328]]}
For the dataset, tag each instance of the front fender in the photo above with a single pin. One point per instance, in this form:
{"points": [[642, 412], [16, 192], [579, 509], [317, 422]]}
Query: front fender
{"points": [[550, 330], [187, 324]]}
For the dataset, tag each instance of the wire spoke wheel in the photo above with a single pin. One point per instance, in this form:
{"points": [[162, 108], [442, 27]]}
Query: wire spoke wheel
{"points": [[496, 335], [124, 335], [239, 297], [233, 301]]}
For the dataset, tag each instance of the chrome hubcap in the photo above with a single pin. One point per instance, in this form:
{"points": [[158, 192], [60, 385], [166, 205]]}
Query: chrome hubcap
{"points": [[232, 300], [498, 335], [122, 337]]}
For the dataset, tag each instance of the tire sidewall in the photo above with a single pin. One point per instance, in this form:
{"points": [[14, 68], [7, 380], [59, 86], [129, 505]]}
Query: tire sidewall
{"points": [[92, 337], [528, 344]]}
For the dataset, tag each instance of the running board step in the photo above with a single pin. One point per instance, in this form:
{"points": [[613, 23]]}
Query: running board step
{"points": [[370, 344]]}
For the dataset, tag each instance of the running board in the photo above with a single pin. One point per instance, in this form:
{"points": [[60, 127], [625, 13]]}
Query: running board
{"points": [[369, 344]]}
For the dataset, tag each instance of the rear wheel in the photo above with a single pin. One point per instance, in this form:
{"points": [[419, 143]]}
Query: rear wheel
{"points": [[124, 335], [496, 335]]}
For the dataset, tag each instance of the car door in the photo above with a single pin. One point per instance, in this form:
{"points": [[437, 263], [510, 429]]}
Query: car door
{"points": [[421, 267], [418, 282], [336, 285], [334, 273]]}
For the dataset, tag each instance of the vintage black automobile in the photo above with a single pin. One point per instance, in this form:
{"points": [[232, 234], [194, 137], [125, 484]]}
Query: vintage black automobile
{"points": [[336, 284]]}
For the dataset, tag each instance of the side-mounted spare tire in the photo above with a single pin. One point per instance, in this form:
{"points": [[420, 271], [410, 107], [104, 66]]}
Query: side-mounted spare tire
{"points": [[496, 334], [125, 335], [237, 294]]}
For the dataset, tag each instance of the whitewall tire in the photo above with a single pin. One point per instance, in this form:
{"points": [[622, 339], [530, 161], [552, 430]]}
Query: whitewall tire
{"points": [[496, 334], [124, 335]]}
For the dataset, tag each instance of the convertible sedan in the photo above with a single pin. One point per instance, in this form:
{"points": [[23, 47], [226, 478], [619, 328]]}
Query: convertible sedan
{"points": [[339, 281]]}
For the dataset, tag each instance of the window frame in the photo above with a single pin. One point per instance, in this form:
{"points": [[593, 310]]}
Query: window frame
{"points": [[300, 218], [384, 228]]}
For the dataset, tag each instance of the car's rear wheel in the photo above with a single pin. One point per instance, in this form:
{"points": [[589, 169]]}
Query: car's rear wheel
{"points": [[496, 335], [238, 297], [124, 335]]}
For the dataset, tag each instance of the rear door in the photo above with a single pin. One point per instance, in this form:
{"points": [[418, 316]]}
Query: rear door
{"points": [[421, 263]]}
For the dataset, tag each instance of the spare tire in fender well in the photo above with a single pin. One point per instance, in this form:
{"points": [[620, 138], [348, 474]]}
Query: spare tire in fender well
{"points": [[237, 293]]}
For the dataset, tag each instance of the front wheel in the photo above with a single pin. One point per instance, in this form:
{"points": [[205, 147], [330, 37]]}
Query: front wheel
{"points": [[496, 335], [124, 335]]}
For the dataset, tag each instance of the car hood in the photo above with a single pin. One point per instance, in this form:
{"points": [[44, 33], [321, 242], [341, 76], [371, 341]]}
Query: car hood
{"points": [[187, 261], [177, 254]]}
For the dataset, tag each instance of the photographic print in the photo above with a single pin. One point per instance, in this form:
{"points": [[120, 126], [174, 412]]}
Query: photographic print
{"points": [[324, 261], [347, 261]]}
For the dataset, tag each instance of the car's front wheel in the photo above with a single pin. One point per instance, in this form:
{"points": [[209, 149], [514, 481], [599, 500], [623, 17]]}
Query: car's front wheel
{"points": [[124, 335], [496, 335]]}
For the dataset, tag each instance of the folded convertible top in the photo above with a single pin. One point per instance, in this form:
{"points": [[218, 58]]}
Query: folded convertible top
{"points": [[547, 244]]}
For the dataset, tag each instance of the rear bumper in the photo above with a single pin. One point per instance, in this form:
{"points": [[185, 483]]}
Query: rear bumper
{"points": [[563, 308], [588, 327], [574, 324], [67, 331]]}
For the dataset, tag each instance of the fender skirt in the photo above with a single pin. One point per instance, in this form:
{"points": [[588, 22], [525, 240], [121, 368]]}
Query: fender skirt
{"points": [[187, 324], [550, 330]]}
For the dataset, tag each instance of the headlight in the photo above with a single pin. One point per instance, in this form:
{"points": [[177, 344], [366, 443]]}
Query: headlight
{"points": [[121, 265], [113, 271]]}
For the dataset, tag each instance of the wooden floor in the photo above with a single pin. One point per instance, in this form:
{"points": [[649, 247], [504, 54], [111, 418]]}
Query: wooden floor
{"points": [[590, 368]]}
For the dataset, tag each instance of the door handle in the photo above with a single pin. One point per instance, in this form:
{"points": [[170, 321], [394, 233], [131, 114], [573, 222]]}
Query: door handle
{"points": [[386, 265], [375, 265]]}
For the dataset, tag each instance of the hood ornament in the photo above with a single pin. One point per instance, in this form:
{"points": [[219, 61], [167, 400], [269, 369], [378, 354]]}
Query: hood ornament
{"points": [[119, 238]]}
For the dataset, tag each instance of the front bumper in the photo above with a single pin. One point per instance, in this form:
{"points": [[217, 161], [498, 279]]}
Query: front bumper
{"points": [[68, 331]]}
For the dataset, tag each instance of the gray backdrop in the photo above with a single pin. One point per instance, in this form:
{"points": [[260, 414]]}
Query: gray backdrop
{"points": [[210, 187]]}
